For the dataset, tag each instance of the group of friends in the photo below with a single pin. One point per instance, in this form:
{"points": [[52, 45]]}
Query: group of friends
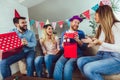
{"points": [[105, 62]]}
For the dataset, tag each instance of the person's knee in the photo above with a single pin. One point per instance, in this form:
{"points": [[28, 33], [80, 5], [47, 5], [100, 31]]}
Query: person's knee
{"points": [[47, 58], [80, 62], [88, 69], [38, 60]]}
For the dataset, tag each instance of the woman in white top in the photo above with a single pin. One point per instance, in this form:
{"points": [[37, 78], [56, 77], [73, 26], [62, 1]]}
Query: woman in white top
{"points": [[107, 60], [50, 47]]}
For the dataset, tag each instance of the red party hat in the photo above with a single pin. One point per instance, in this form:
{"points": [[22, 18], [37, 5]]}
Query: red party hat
{"points": [[17, 15]]}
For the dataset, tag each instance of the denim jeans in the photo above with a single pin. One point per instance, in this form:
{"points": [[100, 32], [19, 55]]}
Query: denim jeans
{"points": [[48, 60], [5, 63], [64, 68], [94, 67]]}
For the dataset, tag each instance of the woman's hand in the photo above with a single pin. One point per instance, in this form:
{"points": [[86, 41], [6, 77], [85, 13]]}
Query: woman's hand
{"points": [[96, 41], [92, 41], [87, 40], [56, 51], [44, 52]]}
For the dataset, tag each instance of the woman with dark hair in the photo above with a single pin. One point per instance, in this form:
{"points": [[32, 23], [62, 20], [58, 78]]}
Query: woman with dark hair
{"points": [[107, 60], [50, 47]]}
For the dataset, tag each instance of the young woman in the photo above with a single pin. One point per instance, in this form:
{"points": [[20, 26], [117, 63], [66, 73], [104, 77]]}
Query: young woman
{"points": [[50, 47], [107, 60]]}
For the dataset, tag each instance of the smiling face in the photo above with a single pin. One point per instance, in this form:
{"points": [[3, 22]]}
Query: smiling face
{"points": [[75, 24], [22, 24], [49, 30]]}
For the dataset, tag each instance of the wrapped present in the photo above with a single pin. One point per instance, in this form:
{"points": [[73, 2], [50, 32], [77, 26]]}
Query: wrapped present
{"points": [[71, 34], [70, 50], [10, 44]]}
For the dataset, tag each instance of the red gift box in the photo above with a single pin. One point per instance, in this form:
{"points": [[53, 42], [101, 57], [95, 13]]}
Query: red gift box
{"points": [[10, 44], [70, 34], [70, 50]]}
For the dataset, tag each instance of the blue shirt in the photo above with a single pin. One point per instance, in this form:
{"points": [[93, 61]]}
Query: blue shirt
{"points": [[30, 37], [79, 48]]}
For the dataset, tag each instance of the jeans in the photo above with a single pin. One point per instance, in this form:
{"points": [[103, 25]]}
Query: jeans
{"points": [[64, 68], [94, 67], [5, 63], [48, 60]]}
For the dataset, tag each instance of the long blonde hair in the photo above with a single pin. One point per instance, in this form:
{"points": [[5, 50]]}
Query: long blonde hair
{"points": [[106, 19], [44, 36]]}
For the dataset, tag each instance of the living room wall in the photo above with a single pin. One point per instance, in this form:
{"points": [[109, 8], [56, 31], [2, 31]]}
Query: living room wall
{"points": [[56, 10], [7, 8]]}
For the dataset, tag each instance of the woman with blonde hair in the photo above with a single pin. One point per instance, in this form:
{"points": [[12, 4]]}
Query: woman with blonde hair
{"points": [[50, 47], [107, 60]]}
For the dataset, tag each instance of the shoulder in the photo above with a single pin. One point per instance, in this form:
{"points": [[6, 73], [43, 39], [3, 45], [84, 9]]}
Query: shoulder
{"points": [[29, 31], [14, 29], [80, 32]]}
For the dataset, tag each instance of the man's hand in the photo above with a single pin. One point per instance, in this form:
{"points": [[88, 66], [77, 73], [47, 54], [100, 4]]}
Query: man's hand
{"points": [[76, 38], [24, 41]]}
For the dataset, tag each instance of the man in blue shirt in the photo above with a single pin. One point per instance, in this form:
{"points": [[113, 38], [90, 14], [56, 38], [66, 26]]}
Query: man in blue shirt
{"points": [[65, 66], [28, 52]]}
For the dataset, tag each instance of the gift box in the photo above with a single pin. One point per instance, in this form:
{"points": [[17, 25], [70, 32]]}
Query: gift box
{"points": [[10, 44], [70, 50], [71, 34]]}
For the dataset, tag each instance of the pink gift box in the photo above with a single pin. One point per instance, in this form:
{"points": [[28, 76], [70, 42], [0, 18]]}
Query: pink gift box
{"points": [[10, 44]]}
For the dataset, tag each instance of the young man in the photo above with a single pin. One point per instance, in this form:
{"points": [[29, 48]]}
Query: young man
{"points": [[28, 52], [65, 66]]}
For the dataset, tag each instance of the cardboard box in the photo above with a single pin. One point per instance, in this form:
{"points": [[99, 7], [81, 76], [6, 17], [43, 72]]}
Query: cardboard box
{"points": [[10, 44]]}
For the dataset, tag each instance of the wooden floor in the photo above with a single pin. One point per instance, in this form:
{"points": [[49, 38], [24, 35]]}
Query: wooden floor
{"points": [[18, 76]]}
